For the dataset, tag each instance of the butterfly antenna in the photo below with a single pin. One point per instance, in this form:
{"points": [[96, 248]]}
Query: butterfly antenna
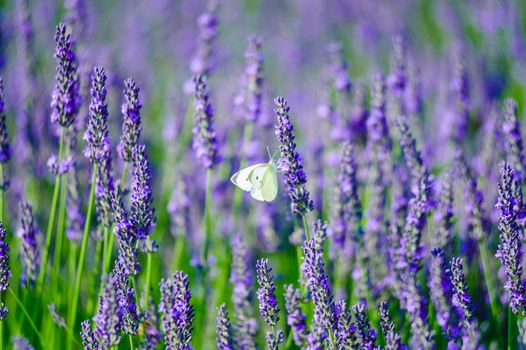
{"points": [[268, 151]]}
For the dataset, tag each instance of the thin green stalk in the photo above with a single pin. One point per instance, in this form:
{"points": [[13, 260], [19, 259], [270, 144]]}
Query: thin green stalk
{"points": [[178, 253], [511, 329], [60, 230], [51, 222], [80, 267], [148, 275], [207, 217], [96, 267], [305, 226], [489, 280], [111, 234], [24, 310], [131, 342]]}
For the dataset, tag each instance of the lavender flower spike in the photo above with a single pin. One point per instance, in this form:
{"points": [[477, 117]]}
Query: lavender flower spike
{"points": [[131, 127], [29, 249], [252, 96], [296, 319], [66, 98], [5, 271], [96, 135], [21, 343], [366, 334], [88, 338], [204, 142], [290, 161], [108, 318], [143, 212], [510, 250], [5, 149], [392, 338], [223, 329], [208, 23], [268, 304], [177, 313]]}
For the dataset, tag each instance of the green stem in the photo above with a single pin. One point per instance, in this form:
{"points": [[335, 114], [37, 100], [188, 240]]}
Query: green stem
{"points": [[178, 253], [511, 329], [24, 310], [51, 222], [96, 267], [305, 226], [82, 257], [207, 218], [131, 342], [148, 275], [60, 231], [489, 280]]}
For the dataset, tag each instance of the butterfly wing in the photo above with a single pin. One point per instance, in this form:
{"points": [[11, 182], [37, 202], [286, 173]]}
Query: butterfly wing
{"points": [[242, 178], [269, 187], [256, 178]]}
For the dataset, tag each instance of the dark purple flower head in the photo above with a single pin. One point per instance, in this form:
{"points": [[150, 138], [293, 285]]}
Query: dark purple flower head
{"points": [[205, 143], [125, 233], [126, 299], [5, 271], [365, 333], [177, 313], [131, 126], [242, 279], [108, 319], [223, 329], [5, 149], [142, 210], [96, 135], [88, 337], [290, 161], [296, 319], [29, 249], [510, 247], [346, 329], [268, 304], [393, 341], [319, 285], [66, 98]]}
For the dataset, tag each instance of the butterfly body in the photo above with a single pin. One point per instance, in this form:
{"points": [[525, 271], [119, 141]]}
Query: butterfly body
{"points": [[260, 180]]}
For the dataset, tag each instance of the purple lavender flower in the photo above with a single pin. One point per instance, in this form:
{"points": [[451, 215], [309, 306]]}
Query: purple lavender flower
{"points": [[205, 141], [346, 329], [296, 319], [241, 277], [397, 80], [108, 319], [152, 336], [473, 198], [66, 98], [5, 271], [142, 210], [208, 24], [346, 229], [88, 337], [29, 250], [316, 338], [444, 214], [510, 247], [290, 161], [125, 233], [461, 90], [393, 340], [131, 126], [462, 300], [177, 313], [268, 304], [21, 343], [319, 285], [365, 333], [339, 69], [5, 149], [75, 213], [126, 299], [223, 329], [179, 210], [103, 190], [251, 98], [59, 320], [96, 135]]}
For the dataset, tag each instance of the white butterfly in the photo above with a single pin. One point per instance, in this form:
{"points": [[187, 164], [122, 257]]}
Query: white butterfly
{"points": [[260, 180]]}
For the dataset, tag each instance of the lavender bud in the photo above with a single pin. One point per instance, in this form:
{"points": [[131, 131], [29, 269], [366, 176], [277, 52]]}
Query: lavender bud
{"points": [[21, 343], [208, 24], [142, 210], [66, 98], [88, 337], [510, 248], [252, 96], [59, 320], [393, 340], [29, 250], [346, 329], [205, 143], [177, 313], [290, 161], [131, 126], [108, 318], [268, 304], [96, 135], [5, 271], [296, 319], [365, 333], [126, 300], [223, 329], [125, 233]]}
